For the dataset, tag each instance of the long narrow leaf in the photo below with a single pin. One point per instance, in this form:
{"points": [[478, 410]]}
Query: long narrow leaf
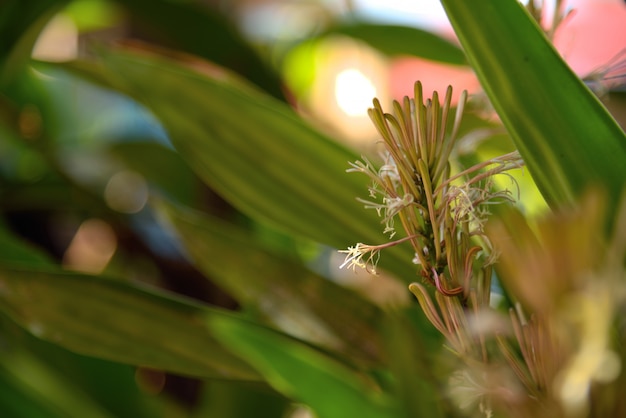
{"points": [[403, 40], [567, 138], [205, 32], [255, 151], [302, 373], [18, 400], [34, 386], [294, 298], [115, 321]]}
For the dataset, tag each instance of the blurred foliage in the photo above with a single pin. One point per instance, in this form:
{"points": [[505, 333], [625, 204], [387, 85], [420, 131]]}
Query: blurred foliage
{"points": [[169, 220]]}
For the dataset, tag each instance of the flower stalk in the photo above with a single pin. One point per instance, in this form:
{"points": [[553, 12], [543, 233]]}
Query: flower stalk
{"points": [[442, 214]]}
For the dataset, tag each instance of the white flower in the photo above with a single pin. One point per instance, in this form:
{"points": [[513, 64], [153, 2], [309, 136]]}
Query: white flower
{"points": [[354, 257]]}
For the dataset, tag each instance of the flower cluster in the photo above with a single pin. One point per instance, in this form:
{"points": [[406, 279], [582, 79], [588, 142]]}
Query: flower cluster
{"points": [[442, 214]]}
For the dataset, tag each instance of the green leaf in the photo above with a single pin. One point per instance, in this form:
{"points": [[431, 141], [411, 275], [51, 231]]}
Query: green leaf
{"points": [[255, 152], [240, 400], [115, 321], [303, 373], [36, 390], [415, 354], [113, 386], [295, 299], [403, 40], [567, 138], [161, 166], [18, 400], [202, 31]]}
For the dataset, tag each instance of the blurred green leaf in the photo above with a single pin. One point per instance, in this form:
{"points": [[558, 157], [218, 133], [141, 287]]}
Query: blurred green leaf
{"points": [[92, 15], [403, 40], [30, 388], [294, 298], [414, 355], [200, 30], [240, 400], [112, 385], [119, 322], [17, 400], [161, 166], [303, 373], [36, 375], [255, 151], [567, 138], [28, 119]]}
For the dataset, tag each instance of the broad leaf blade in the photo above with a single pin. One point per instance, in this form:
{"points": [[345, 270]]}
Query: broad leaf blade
{"points": [[17, 400], [403, 40], [118, 322], [414, 360], [303, 373], [203, 31], [296, 300], [34, 386], [255, 152], [567, 138], [162, 167]]}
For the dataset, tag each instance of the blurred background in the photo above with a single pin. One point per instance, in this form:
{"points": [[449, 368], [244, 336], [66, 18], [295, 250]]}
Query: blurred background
{"points": [[78, 187]]}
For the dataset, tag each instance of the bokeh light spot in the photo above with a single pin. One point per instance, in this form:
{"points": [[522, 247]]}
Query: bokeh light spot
{"points": [[126, 192], [354, 92], [91, 248], [58, 41]]}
